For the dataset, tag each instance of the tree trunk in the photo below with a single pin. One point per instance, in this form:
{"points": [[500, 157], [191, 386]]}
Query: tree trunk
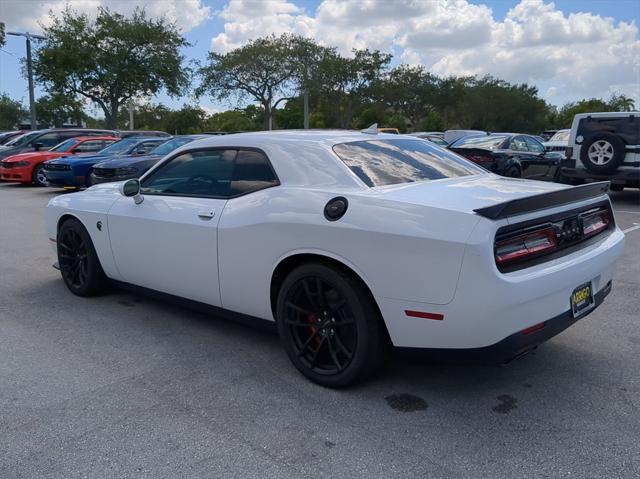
{"points": [[268, 117], [111, 117], [306, 109]]}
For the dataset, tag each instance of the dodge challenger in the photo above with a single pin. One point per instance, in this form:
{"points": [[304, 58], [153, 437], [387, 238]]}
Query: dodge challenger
{"points": [[350, 242]]}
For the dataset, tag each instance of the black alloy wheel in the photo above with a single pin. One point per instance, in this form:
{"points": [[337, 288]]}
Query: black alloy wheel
{"points": [[330, 328], [79, 264]]}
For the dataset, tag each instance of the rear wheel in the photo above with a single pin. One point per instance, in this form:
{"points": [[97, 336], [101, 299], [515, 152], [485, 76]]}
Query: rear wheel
{"points": [[78, 261], [38, 176], [329, 325]]}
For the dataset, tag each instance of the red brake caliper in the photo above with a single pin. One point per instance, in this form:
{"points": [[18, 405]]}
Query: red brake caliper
{"points": [[313, 320]]}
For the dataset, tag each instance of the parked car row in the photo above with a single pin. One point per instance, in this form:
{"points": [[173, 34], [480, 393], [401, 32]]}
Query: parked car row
{"points": [[81, 161], [599, 146]]}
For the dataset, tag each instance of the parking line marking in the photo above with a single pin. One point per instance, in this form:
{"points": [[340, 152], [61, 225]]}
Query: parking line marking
{"points": [[632, 228], [629, 212]]}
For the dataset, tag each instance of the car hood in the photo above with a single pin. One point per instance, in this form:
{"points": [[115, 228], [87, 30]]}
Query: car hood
{"points": [[122, 161], [465, 194], [78, 160], [35, 155]]}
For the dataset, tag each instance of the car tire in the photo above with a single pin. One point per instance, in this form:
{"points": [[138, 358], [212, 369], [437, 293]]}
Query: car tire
{"points": [[330, 325], [79, 264], [602, 152], [513, 172], [38, 176]]}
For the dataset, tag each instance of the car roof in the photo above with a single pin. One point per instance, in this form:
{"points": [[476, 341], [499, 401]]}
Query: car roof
{"points": [[95, 137], [607, 114], [300, 157]]}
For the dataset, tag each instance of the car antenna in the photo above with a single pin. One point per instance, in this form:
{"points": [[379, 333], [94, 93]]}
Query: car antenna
{"points": [[372, 130]]}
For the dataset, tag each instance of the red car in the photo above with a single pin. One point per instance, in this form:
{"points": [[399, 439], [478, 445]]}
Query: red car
{"points": [[29, 168]]}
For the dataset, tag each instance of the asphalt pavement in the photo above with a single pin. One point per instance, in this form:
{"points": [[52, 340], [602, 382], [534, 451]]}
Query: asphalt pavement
{"points": [[128, 386]]}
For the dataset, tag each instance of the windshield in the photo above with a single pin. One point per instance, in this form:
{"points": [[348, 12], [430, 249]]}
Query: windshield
{"points": [[389, 162], [22, 139], [562, 135], [168, 146], [487, 142], [122, 146], [65, 145]]}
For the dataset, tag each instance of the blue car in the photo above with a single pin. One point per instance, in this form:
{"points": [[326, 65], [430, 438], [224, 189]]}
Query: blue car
{"points": [[125, 167], [75, 171]]}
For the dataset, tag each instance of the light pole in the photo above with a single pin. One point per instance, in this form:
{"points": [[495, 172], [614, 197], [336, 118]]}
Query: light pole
{"points": [[32, 102]]}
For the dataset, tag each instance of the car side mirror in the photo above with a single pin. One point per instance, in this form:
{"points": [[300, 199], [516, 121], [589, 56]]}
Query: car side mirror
{"points": [[140, 151], [131, 189], [38, 146]]}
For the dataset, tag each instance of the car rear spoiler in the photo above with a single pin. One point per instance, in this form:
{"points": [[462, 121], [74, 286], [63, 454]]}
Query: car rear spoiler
{"points": [[544, 200]]}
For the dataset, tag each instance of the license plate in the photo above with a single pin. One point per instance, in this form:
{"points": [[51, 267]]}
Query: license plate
{"points": [[582, 299]]}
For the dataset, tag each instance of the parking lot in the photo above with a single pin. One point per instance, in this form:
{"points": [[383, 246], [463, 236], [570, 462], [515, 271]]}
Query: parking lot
{"points": [[127, 386]]}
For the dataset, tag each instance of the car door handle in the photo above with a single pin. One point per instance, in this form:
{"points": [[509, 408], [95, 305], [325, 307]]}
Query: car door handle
{"points": [[206, 215]]}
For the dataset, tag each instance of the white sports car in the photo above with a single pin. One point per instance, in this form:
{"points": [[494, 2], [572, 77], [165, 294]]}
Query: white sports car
{"points": [[350, 242]]}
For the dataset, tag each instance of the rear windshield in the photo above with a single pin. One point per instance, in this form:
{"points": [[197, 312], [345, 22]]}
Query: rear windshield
{"points": [[487, 142], [562, 135], [389, 162]]}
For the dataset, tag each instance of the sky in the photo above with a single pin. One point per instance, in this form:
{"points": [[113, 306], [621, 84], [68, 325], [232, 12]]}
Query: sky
{"points": [[568, 49]]}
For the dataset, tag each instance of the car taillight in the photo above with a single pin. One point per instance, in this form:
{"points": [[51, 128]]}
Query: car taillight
{"points": [[525, 245], [594, 223]]}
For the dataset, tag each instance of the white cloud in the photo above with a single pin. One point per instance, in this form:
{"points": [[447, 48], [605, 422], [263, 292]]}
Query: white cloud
{"points": [[28, 14], [569, 56]]}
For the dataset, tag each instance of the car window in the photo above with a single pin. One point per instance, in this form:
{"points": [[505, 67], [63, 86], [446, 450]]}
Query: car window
{"points": [[119, 147], [22, 140], [65, 145], [388, 162], [205, 173], [168, 146], [534, 145], [147, 146], [48, 140], [252, 172], [518, 144], [486, 142], [89, 146], [562, 135]]}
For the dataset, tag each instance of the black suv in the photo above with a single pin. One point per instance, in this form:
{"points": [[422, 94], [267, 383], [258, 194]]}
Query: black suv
{"points": [[46, 139]]}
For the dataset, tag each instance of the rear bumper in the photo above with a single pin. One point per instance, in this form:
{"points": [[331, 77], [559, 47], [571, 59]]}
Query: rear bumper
{"points": [[626, 176], [515, 345]]}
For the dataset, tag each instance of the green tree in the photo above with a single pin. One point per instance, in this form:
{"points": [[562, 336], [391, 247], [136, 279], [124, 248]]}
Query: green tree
{"points": [[249, 119], [3, 38], [11, 112], [410, 91], [621, 103], [58, 110], [111, 59], [347, 84], [263, 70]]}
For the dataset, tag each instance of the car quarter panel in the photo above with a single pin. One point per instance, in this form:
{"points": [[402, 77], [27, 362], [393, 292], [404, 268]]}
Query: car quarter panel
{"points": [[394, 246], [490, 306], [90, 208]]}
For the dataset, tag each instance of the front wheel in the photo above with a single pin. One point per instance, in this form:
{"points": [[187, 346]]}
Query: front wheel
{"points": [[512, 172], [329, 325], [78, 261], [38, 176]]}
